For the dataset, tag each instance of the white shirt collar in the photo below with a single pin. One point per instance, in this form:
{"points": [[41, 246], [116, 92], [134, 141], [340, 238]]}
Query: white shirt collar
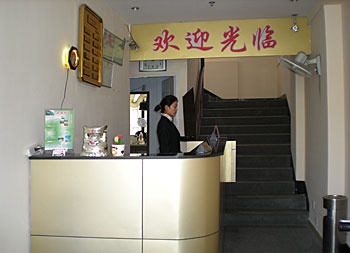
{"points": [[167, 116]]}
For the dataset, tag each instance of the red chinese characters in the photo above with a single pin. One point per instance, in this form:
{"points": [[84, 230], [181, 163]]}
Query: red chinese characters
{"points": [[108, 40], [197, 40], [263, 38], [163, 42], [230, 40]]}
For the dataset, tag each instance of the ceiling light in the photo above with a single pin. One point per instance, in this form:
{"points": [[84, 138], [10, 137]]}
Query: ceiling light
{"points": [[211, 3], [295, 26], [135, 8]]}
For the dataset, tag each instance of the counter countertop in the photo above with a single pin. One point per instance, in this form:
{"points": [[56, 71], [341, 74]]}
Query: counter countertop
{"points": [[48, 155]]}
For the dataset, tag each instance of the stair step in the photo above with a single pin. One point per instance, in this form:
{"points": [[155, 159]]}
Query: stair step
{"points": [[265, 202], [245, 103], [264, 174], [264, 161], [247, 129], [234, 112], [255, 138], [263, 218], [266, 192], [260, 188], [263, 149], [260, 138], [245, 120]]}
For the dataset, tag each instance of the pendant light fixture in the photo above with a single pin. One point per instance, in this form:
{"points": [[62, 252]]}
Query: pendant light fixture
{"points": [[295, 27]]}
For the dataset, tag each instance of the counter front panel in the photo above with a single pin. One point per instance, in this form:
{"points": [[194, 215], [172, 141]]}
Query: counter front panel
{"points": [[86, 198], [187, 190], [125, 205]]}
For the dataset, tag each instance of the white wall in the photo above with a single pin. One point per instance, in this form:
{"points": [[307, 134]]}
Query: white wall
{"points": [[316, 128], [325, 127], [346, 44], [297, 108], [335, 97], [32, 79]]}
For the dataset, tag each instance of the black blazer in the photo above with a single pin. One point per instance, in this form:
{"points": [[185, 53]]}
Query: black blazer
{"points": [[168, 136]]}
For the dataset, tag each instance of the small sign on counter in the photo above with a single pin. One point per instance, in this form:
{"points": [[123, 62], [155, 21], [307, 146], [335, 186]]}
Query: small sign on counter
{"points": [[59, 129]]}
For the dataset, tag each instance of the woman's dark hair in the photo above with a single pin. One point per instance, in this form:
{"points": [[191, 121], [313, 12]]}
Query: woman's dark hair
{"points": [[167, 100]]}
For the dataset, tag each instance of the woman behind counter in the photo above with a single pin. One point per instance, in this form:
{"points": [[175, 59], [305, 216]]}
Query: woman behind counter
{"points": [[168, 134]]}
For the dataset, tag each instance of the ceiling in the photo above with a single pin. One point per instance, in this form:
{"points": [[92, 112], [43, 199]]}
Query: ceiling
{"points": [[169, 11]]}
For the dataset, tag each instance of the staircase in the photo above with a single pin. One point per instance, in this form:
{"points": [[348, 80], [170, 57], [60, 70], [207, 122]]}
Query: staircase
{"points": [[266, 193]]}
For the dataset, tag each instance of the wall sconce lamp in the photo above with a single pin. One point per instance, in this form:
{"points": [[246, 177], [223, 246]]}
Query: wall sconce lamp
{"points": [[70, 57], [132, 43]]}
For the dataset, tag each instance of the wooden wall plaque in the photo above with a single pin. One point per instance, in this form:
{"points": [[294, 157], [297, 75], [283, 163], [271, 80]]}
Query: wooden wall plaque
{"points": [[90, 46]]}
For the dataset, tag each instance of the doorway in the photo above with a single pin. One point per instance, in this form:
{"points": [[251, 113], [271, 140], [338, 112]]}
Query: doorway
{"points": [[139, 111], [157, 88]]}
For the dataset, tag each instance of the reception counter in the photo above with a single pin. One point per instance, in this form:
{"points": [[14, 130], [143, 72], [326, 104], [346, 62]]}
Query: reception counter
{"points": [[150, 204]]}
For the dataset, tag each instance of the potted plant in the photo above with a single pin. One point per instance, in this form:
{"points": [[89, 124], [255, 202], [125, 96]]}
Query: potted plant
{"points": [[118, 146]]}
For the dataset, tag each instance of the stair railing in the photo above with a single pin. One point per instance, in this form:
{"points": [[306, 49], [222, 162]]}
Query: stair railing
{"points": [[199, 97], [189, 115]]}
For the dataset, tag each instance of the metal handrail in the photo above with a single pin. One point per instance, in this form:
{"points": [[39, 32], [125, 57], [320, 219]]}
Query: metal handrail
{"points": [[199, 96]]}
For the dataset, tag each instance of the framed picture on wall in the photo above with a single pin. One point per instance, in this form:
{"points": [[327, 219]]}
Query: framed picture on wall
{"points": [[152, 65], [113, 47], [107, 73]]}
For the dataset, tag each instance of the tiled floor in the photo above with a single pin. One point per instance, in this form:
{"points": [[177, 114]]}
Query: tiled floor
{"points": [[294, 239]]}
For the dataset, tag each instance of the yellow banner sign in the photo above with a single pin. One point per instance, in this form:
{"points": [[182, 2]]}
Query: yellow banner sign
{"points": [[229, 38]]}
